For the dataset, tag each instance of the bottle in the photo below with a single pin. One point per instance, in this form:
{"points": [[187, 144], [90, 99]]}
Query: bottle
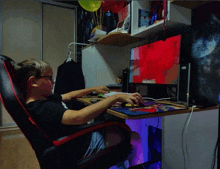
{"points": [[155, 14], [109, 22]]}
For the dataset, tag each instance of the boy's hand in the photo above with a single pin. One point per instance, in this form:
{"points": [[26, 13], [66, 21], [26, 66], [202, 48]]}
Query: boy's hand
{"points": [[130, 98], [101, 89]]}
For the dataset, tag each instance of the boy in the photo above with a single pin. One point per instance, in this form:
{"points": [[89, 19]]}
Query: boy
{"points": [[35, 82]]}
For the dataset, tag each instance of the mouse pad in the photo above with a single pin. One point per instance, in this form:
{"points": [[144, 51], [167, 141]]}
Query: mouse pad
{"points": [[149, 107]]}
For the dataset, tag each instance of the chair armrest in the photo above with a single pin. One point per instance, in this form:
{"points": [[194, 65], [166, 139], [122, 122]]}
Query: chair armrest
{"points": [[89, 128], [60, 153]]}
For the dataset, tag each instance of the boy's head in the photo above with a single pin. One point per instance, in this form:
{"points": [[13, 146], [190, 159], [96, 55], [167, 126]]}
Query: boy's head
{"points": [[34, 77]]}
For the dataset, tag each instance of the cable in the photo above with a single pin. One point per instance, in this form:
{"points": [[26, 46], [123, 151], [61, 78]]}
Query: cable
{"points": [[158, 120], [142, 165], [150, 98], [218, 140], [163, 99], [216, 146], [186, 135], [214, 154], [183, 134], [170, 89]]}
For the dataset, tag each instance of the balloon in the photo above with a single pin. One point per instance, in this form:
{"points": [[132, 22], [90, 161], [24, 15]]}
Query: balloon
{"points": [[90, 5], [113, 6]]}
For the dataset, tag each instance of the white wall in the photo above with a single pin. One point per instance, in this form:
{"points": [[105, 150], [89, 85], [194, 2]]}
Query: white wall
{"points": [[102, 64], [58, 33], [21, 34], [29, 32], [21, 29]]}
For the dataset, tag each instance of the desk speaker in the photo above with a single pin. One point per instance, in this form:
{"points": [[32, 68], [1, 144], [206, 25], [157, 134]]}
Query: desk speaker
{"points": [[184, 84], [125, 80]]}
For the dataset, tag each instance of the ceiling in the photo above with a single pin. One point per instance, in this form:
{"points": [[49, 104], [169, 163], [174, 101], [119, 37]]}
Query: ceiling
{"points": [[71, 2]]}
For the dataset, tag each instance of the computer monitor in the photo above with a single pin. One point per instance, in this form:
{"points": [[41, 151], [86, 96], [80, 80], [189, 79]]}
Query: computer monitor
{"points": [[154, 68], [156, 63]]}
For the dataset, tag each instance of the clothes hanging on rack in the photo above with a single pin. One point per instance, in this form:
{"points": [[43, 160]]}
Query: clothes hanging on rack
{"points": [[69, 78]]}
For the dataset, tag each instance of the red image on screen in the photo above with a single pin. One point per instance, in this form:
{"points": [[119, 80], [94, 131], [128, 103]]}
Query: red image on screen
{"points": [[156, 62]]}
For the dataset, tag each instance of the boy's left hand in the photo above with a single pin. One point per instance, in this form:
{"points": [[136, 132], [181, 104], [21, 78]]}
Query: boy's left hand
{"points": [[101, 89]]}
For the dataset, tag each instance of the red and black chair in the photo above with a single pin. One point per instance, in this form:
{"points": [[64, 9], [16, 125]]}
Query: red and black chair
{"points": [[54, 154]]}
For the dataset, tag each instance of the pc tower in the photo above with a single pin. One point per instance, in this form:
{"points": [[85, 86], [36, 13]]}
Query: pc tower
{"points": [[205, 64]]}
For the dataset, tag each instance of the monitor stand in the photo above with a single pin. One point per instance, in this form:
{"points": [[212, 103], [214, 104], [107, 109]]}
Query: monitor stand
{"points": [[157, 92]]}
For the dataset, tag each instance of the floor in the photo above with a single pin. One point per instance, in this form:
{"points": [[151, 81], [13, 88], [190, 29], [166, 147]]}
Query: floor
{"points": [[16, 152]]}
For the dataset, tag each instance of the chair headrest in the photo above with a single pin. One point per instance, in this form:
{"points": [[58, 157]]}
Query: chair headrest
{"points": [[7, 59], [7, 75], [2, 57], [14, 102]]}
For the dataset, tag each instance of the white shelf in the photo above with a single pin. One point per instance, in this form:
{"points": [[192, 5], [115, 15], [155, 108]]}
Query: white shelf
{"points": [[190, 4], [177, 16]]}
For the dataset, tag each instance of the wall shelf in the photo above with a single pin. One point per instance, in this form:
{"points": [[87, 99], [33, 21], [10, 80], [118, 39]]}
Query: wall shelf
{"points": [[117, 39], [190, 4], [177, 16]]}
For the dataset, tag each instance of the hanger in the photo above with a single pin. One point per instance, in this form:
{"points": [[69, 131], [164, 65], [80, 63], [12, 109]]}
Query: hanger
{"points": [[69, 57]]}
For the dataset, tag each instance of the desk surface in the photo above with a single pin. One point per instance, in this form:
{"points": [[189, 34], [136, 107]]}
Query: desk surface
{"points": [[159, 114]]}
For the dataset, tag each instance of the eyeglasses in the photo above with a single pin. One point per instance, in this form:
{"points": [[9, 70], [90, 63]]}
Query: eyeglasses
{"points": [[50, 77]]}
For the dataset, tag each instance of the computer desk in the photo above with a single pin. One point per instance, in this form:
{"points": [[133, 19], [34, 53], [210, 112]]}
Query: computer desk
{"points": [[87, 101]]}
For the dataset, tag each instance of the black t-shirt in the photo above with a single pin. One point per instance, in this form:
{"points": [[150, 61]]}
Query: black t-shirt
{"points": [[48, 115]]}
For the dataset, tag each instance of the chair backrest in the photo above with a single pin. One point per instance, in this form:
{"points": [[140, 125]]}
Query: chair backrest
{"points": [[15, 105], [53, 154]]}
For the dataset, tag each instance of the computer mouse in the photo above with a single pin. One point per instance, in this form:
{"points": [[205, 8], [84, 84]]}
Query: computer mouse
{"points": [[123, 104], [94, 100], [129, 105]]}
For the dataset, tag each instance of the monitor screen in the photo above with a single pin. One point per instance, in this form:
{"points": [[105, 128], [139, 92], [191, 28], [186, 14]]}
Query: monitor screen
{"points": [[156, 63]]}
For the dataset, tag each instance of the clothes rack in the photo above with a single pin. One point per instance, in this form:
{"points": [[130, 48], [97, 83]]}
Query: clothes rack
{"points": [[68, 54]]}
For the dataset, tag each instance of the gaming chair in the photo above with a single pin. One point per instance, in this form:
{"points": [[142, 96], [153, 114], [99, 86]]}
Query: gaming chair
{"points": [[55, 154]]}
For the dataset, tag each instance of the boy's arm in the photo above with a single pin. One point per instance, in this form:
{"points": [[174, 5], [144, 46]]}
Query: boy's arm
{"points": [[83, 92], [79, 117]]}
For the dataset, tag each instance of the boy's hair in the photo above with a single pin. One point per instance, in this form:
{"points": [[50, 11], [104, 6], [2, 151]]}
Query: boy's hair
{"points": [[27, 68]]}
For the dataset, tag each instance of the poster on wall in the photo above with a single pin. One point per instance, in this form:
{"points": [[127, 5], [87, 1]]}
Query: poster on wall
{"points": [[143, 17]]}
